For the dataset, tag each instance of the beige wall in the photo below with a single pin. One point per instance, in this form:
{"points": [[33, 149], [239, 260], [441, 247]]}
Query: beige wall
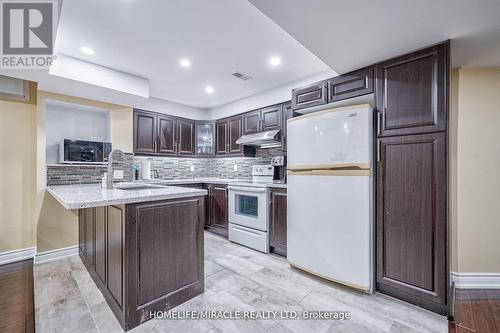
{"points": [[477, 207], [452, 158], [56, 226], [122, 126], [17, 175]]}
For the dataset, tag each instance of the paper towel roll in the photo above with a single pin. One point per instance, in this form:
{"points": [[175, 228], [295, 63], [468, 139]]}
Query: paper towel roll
{"points": [[146, 169]]}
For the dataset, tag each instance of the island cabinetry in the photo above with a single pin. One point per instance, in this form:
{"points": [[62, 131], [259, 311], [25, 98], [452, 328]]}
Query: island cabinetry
{"points": [[144, 256]]}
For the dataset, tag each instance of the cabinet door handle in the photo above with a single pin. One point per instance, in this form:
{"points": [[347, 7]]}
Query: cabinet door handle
{"points": [[154, 146], [379, 122]]}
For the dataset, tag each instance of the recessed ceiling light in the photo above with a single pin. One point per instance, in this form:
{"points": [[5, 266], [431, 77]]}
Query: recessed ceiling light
{"points": [[185, 63], [87, 50], [275, 61], [209, 89]]}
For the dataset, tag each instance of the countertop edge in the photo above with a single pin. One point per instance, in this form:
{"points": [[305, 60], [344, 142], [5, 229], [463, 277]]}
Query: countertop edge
{"points": [[58, 199], [125, 201]]}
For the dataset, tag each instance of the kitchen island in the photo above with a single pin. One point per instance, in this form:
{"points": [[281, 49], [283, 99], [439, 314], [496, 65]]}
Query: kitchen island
{"points": [[142, 244]]}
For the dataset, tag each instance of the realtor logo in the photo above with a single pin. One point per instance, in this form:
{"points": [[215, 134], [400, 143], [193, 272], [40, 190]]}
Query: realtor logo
{"points": [[28, 30]]}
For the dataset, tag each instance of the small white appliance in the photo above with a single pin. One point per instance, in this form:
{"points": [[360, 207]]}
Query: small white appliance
{"points": [[249, 210], [329, 196]]}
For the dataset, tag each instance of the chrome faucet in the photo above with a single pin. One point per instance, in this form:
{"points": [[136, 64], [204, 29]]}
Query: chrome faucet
{"points": [[111, 157]]}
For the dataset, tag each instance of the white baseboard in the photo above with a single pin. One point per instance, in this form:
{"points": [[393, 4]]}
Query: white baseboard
{"points": [[48, 256], [476, 280], [17, 255]]}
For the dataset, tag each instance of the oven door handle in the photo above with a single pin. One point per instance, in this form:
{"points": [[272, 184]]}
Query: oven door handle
{"points": [[247, 189]]}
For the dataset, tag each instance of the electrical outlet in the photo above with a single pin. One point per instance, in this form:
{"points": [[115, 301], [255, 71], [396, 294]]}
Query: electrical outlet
{"points": [[192, 168], [235, 167], [118, 174]]}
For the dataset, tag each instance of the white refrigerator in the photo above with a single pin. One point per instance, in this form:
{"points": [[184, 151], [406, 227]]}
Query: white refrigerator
{"points": [[329, 201]]}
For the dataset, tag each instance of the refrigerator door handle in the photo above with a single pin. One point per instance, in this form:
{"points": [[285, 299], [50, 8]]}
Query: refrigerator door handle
{"points": [[379, 122], [378, 150]]}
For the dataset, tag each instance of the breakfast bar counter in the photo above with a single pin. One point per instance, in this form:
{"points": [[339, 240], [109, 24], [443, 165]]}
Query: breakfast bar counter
{"points": [[93, 195], [142, 244]]}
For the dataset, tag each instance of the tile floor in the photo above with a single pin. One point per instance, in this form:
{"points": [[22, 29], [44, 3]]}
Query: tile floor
{"points": [[237, 278]]}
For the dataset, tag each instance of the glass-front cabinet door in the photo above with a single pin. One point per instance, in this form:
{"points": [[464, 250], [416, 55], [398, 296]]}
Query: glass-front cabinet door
{"points": [[205, 138]]}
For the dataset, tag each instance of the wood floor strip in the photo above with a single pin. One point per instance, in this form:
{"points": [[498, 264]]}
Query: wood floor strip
{"points": [[16, 297], [477, 310]]}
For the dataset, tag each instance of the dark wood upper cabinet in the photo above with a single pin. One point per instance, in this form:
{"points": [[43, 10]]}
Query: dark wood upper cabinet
{"points": [[235, 130], [185, 139], [412, 92], [277, 222], [353, 84], [411, 219], [160, 134], [266, 119], [309, 96], [271, 118], [251, 122], [221, 129], [166, 135], [144, 132]]}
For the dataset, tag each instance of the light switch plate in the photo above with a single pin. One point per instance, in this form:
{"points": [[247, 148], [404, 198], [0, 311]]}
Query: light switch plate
{"points": [[118, 174], [192, 168], [235, 167]]}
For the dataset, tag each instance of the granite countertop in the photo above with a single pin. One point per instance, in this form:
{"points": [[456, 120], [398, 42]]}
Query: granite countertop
{"points": [[93, 195], [211, 180]]}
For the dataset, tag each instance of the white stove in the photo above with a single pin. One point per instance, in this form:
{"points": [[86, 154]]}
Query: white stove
{"points": [[249, 210]]}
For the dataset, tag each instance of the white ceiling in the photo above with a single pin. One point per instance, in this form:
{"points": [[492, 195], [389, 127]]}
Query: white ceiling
{"points": [[351, 34], [147, 38]]}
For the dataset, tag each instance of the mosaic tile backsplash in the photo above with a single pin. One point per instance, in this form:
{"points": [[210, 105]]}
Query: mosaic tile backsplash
{"points": [[167, 167], [68, 174]]}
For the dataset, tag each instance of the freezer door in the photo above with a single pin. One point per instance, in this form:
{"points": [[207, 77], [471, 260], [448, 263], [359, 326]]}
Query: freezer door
{"points": [[330, 227], [339, 136]]}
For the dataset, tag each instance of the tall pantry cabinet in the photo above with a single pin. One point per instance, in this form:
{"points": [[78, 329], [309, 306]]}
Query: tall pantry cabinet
{"points": [[411, 148]]}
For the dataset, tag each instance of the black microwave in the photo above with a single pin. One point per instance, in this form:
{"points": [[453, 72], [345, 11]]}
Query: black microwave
{"points": [[80, 151]]}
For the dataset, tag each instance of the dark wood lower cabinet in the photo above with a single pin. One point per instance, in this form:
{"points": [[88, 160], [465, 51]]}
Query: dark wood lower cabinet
{"points": [[148, 256], [216, 203], [277, 222], [86, 236], [219, 208], [115, 253], [411, 219], [100, 241]]}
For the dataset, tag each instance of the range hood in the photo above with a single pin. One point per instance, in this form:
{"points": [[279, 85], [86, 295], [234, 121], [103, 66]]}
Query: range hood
{"points": [[269, 139]]}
